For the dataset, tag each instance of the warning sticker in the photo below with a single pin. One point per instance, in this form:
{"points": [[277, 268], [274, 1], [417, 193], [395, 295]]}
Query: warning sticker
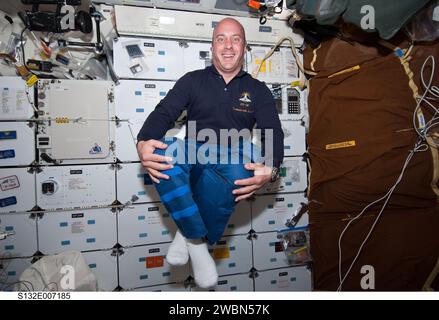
{"points": [[154, 262], [8, 183], [221, 253]]}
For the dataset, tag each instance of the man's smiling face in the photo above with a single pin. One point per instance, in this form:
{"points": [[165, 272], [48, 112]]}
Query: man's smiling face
{"points": [[228, 47]]}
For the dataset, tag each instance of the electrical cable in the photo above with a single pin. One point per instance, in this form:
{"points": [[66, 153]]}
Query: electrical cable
{"points": [[420, 146], [22, 50], [293, 51], [387, 198]]}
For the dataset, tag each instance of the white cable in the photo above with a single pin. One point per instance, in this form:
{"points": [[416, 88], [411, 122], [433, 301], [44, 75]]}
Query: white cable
{"points": [[293, 50], [26, 90], [419, 147], [132, 133], [426, 101], [387, 197]]}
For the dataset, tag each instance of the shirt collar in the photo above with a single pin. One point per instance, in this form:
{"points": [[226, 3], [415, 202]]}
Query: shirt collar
{"points": [[240, 74]]}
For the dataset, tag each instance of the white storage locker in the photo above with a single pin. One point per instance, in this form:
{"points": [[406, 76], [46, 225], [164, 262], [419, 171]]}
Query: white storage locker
{"points": [[236, 282], [292, 177], [281, 67], [181, 24], [136, 99], [15, 103], [165, 287], [103, 264], [269, 252], [10, 271], [145, 266], [286, 279], [232, 254], [126, 140], [294, 138], [240, 221], [92, 229], [134, 181], [197, 55], [17, 190], [76, 132], [146, 58], [271, 212], [17, 143], [64, 187], [145, 224], [23, 239]]}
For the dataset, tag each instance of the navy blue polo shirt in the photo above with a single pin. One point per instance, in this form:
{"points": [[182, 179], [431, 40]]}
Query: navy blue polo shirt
{"points": [[213, 104]]}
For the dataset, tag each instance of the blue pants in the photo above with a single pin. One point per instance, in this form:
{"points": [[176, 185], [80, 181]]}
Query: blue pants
{"points": [[199, 195]]}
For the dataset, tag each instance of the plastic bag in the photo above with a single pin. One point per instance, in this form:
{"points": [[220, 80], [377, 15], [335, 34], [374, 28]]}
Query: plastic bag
{"points": [[425, 24], [67, 271]]}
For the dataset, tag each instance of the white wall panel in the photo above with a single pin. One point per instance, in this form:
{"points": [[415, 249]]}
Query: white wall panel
{"points": [[286, 279], [92, 229], [17, 190], [76, 186], [24, 242], [145, 224]]}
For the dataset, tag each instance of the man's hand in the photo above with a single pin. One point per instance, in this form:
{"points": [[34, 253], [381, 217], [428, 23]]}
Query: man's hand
{"points": [[262, 175], [153, 163]]}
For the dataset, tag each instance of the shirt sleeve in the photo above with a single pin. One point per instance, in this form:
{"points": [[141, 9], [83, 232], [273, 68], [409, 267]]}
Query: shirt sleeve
{"points": [[167, 111], [267, 118]]}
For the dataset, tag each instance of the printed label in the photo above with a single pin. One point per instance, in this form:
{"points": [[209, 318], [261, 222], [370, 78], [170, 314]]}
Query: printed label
{"points": [[345, 144], [8, 183]]}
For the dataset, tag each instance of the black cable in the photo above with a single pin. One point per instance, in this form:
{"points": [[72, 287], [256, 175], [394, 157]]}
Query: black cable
{"points": [[23, 282], [22, 49]]}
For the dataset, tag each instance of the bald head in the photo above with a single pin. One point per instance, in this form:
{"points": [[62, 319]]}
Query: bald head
{"points": [[228, 47], [227, 23]]}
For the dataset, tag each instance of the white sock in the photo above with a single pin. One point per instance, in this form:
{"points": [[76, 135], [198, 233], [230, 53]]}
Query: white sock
{"points": [[203, 265], [177, 253]]}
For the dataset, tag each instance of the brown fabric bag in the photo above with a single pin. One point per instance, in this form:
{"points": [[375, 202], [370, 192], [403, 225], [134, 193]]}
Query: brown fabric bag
{"points": [[360, 135]]}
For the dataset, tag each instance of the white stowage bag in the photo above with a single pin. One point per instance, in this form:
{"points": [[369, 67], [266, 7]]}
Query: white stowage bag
{"points": [[66, 271]]}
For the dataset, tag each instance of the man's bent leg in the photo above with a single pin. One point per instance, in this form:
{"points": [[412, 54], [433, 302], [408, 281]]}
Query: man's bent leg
{"points": [[176, 195]]}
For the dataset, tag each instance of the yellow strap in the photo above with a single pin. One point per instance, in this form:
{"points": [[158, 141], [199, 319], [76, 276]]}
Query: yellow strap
{"points": [[435, 156], [314, 59], [434, 273], [354, 68]]}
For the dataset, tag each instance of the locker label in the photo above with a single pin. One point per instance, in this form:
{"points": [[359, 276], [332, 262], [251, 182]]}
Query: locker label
{"points": [[8, 135], [9, 201], [76, 184], [75, 171], [154, 262], [77, 215], [77, 227], [8, 183], [153, 209], [6, 154], [264, 29], [221, 253]]}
